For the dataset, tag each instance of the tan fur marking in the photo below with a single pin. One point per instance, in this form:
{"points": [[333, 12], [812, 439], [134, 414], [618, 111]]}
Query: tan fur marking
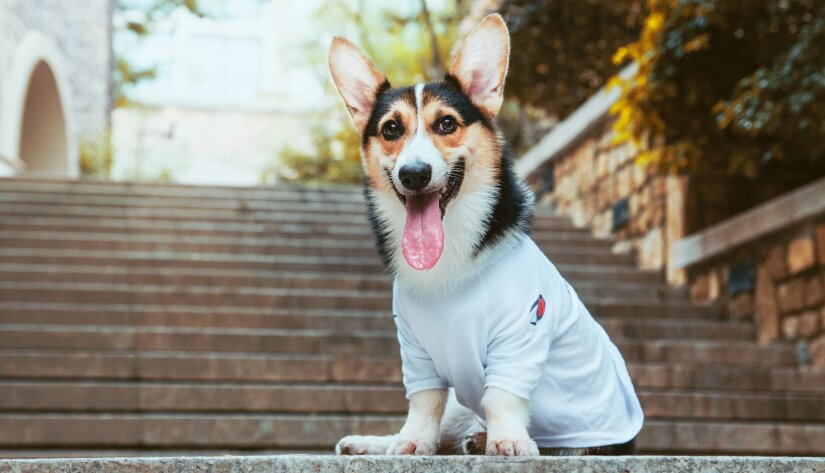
{"points": [[380, 154]]}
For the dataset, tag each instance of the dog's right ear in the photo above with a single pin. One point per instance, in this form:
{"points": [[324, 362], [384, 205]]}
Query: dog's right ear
{"points": [[357, 79]]}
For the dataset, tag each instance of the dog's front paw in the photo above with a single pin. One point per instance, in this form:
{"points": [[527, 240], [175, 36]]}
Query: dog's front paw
{"points": [[512, 447], [406, 446], [362, 445]]}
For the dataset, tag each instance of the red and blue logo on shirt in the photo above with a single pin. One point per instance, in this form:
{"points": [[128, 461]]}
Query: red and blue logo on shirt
{"points": [[537, 310]]}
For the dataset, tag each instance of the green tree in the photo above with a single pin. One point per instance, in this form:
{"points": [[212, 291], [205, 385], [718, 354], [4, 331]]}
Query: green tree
{"points": [[409, 47], [562, 49], [727, 87]]}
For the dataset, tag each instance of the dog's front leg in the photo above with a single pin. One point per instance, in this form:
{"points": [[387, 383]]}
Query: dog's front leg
{"points": [[508, 417], [419, 436]]}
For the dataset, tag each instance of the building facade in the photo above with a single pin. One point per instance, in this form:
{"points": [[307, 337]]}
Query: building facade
{"points": [[55, 75], [231, 90]]}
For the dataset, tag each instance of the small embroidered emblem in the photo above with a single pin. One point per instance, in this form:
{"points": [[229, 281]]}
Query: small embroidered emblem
{"points": [[537, 309]]}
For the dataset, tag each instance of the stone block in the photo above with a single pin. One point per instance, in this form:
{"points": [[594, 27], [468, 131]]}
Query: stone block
{"points": [[640, 176], [800, 255], [699, 288], [652, 251], [817, 348], [820, 243], [790, 327], [808, 325], [714, 285], [774, 262], [740, 305], [624, 181], [767, 314], [791, 296], [814, 291]]}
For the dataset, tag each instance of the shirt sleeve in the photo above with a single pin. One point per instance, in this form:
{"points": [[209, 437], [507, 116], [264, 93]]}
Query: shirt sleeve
{"points": [[417, 366], [519, 344]]}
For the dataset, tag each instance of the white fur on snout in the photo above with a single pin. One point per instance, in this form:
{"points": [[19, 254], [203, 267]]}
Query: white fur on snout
{"points": [[420, 148]]}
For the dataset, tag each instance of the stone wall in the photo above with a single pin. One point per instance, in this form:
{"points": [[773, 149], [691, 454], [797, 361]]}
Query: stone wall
{"points": [[786, 299], [593, 175], [768, 265], [74, 39]]}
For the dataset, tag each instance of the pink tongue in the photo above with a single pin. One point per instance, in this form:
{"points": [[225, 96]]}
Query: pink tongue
{"points": [[423, 239]]}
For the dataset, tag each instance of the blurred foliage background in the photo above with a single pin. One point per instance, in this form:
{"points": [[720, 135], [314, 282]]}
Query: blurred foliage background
{"points": [[721, 87], [727, 87], [562, 50]]}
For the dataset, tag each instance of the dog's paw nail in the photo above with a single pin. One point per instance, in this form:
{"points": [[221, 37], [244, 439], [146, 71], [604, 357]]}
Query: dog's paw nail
{"points": [[358, 445], [512, 448], [411, 447]]}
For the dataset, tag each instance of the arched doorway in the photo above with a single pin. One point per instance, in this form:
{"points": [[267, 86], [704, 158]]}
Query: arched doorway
{"points": [[43, 146], [35, 89]]}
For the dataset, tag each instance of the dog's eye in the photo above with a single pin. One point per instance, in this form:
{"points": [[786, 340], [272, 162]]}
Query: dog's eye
{"points": [[446, 125], [392, 130]]}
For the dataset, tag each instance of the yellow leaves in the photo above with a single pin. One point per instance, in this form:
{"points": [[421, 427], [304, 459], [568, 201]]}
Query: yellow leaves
{"points": [[615, 81], [698, 43], [655, 21], [634, 123], [620, 55]]}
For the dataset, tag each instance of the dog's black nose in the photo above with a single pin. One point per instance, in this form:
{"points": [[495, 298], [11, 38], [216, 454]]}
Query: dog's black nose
{"points": [[415, 176]]}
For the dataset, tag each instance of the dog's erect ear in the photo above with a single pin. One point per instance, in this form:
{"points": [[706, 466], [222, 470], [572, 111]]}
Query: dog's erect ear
{"points": [[358, 81], [481, 64]]}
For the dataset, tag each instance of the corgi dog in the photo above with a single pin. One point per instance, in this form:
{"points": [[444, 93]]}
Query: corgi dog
{"points": [[499, 355]]}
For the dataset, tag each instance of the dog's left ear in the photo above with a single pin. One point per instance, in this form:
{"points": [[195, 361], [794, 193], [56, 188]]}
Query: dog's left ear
{"points": [[481, 64]]}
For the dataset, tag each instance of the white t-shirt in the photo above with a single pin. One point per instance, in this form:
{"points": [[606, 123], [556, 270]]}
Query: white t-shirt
{"points": [[517, 325]]}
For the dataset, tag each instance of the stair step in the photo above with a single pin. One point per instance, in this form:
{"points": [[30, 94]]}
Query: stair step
{"points": [[154, 316], [60, 396], [326, 366], [10, 237], [315, 431], [768, 438], [319, 221], [65, 277], [336, 338], [141, 205], [362, 265], [297, 192], [239, 204], [263, 246], [194, 295], [117, 225]]}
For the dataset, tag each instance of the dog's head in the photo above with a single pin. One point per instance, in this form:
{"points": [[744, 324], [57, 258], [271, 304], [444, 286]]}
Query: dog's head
{"points": [[427, 143]]}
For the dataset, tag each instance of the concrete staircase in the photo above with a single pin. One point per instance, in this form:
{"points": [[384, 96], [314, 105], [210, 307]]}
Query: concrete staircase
{"points": [[163, 319]]}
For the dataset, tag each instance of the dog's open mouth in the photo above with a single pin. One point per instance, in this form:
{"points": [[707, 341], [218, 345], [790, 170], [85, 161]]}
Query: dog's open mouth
{"points": [[423, 240]]}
